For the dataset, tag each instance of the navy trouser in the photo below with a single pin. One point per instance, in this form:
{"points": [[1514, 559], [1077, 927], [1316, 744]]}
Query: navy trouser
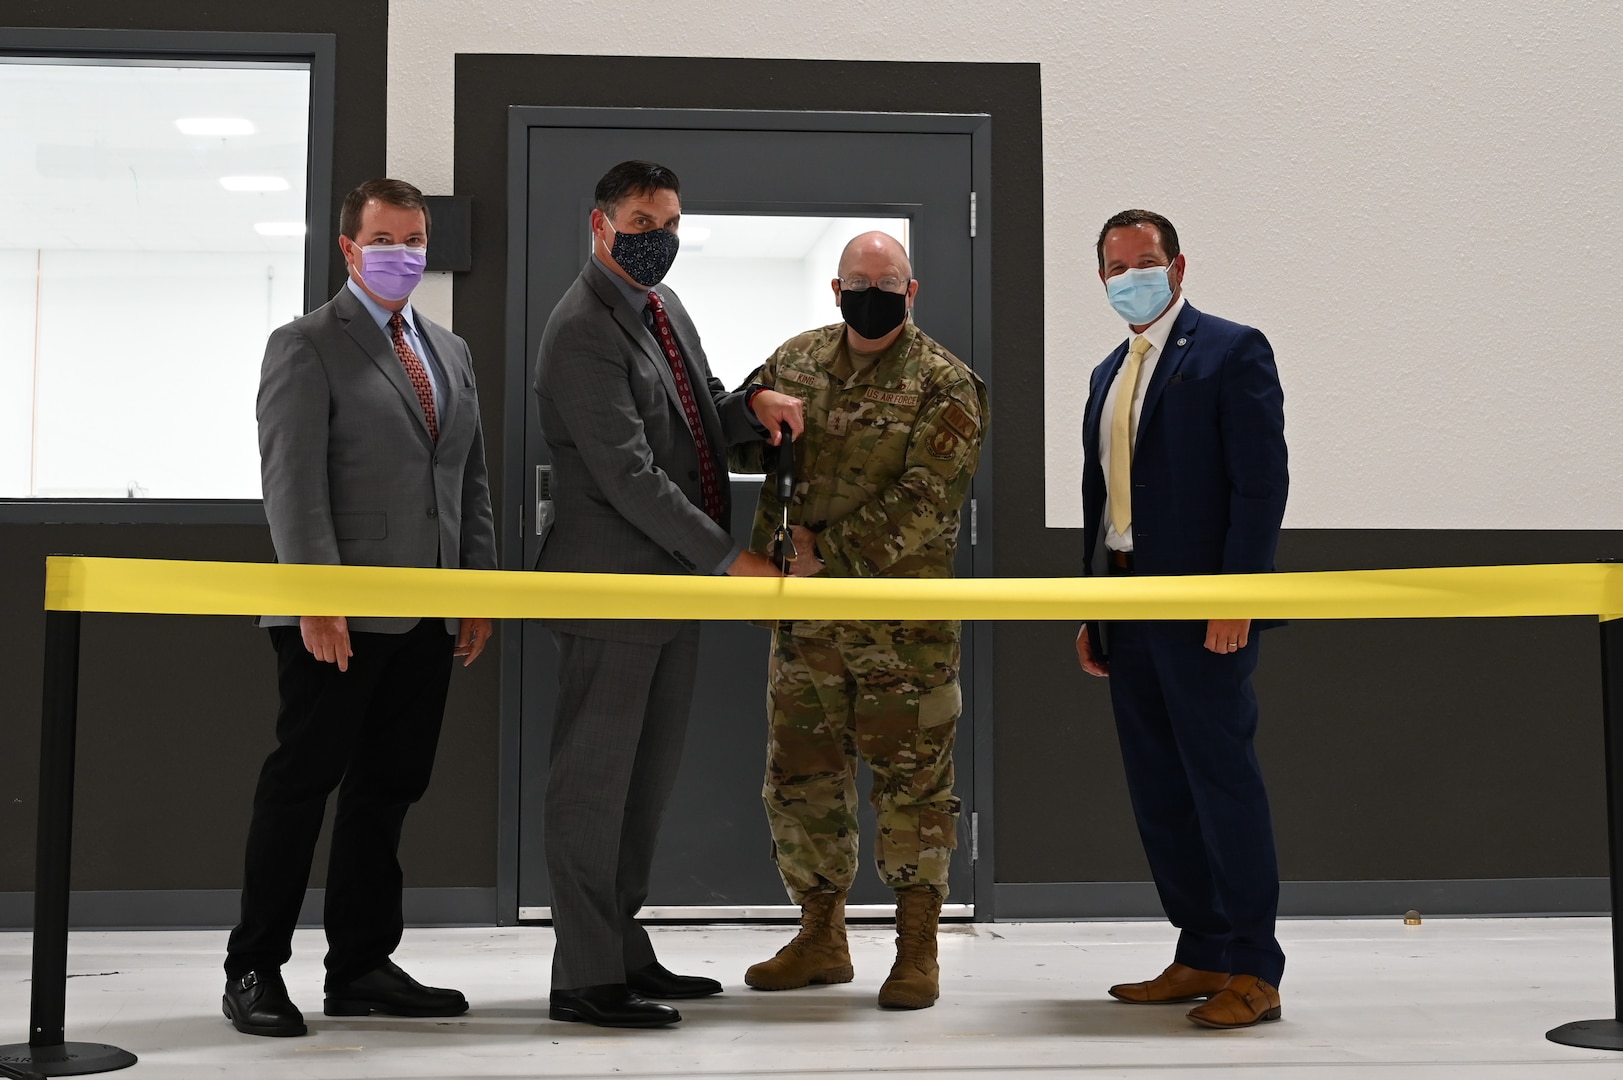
{"points": [[1186, 718]]}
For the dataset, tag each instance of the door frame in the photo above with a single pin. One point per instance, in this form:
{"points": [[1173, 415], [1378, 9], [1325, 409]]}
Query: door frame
{"points": [[517, 404]]}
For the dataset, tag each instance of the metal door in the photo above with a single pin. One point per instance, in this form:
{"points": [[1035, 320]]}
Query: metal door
{"points": [[917, 171]]}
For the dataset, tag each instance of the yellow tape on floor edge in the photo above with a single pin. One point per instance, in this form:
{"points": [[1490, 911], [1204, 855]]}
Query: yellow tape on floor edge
{"points": [[153, 586]]}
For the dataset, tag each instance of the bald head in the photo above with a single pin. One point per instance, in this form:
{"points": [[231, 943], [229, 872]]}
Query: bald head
{"points": [[875, 255]]}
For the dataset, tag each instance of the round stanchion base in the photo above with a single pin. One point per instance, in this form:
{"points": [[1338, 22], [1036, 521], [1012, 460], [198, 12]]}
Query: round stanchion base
{"points": [[1589, 1034], [64, 1059]]}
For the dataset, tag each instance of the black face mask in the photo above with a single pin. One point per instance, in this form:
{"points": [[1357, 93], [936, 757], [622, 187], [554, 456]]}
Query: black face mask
{"points": [[873, 312], [646, 256]]}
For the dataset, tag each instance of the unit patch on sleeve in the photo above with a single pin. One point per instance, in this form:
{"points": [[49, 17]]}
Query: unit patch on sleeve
{"points": [[956, 418]]}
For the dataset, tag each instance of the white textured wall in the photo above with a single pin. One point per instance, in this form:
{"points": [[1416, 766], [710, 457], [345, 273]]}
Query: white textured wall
{"points": [[1420, 203]]}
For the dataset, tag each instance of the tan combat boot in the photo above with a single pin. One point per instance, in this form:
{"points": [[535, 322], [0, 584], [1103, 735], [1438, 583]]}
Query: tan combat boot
{"points": [[818, 954], [915, 979]]}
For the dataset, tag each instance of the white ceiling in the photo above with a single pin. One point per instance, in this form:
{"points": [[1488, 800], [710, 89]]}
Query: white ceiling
{"points": [[90, 158]]}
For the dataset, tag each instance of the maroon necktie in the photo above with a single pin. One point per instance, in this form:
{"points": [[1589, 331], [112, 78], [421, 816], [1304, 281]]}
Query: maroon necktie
{"points": [[415, 372], [709, 478]]}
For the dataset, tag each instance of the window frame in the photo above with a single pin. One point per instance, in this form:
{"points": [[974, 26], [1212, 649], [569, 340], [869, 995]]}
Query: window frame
{"points": [[319, 51]]}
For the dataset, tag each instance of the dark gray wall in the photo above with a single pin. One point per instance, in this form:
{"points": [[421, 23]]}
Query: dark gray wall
{"points": [[1403, 749], [176, 714]]}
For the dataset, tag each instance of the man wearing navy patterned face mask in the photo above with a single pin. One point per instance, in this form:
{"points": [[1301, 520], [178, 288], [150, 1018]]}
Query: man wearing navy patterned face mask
{"points": [[637, 430], [1185, 473]]}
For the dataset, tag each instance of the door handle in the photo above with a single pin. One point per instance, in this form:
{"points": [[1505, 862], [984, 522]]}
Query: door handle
{"points": [[544, 513]]}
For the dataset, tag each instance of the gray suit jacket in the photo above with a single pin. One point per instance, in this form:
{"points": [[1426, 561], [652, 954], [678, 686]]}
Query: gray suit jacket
{"points": [[349, 473], [626, 485]]}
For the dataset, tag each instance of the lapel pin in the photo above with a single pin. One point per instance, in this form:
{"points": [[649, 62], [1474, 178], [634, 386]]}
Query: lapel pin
{"points": [[1183, 341]]}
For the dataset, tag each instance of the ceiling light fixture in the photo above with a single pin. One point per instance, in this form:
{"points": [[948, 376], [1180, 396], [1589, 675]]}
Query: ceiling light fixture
{"points": [[280, 228], [253, 183], [215, 125]]}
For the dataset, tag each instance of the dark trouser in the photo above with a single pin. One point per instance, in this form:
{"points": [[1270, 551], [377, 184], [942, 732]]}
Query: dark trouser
{"points": [[374, 728], [1186, 719], [616, 744]]}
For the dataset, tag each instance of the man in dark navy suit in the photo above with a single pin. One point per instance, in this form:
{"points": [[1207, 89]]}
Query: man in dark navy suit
{"points": [[1185, 473]]}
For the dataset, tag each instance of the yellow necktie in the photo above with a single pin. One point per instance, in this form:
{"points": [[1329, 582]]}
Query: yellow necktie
{"points": [[1120, 481]]}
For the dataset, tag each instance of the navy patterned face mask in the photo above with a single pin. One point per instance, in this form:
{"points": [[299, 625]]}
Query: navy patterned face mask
{"points": [[646, 256]]}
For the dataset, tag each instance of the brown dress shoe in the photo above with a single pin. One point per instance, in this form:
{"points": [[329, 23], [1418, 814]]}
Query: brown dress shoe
{"points": [[1243, 1001], [1177, 983]]}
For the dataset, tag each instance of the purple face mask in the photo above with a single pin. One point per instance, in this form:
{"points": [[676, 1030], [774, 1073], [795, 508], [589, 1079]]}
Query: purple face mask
{"points": [[393, 270]]}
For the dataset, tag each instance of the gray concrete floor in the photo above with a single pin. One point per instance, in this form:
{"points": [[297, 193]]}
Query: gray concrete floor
{"points": [[1448, 1000]]}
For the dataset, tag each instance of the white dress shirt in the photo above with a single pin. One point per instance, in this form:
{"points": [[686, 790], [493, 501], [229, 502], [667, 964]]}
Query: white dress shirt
{"points": [[1156, 334]]}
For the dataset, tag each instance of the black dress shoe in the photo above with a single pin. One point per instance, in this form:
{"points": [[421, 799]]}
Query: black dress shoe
{"points": [[610, 1005], [653, 981], [257, 1004], [392, 992]]}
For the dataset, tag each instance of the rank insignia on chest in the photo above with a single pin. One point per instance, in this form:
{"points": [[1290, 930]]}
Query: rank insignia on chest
{"points": [[838, 423]]}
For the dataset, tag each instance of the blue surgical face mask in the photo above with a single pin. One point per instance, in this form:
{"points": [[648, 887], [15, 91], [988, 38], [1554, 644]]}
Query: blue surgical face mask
{"points": [[1141, 294]]}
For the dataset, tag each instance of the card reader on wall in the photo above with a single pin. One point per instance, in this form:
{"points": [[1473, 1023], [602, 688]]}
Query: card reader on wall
{"points": [[544, 512]]}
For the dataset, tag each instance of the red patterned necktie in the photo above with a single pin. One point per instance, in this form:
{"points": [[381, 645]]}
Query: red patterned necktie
{"points": [[709, 478], [415, 372]]}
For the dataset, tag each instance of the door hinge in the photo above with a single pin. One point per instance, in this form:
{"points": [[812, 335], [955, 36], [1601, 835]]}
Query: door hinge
{"points": [[974, 837], [971, 214], [974, 523]]}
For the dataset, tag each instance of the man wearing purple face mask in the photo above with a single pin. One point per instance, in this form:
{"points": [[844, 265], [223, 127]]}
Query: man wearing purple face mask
{"points": [[371, 453]]}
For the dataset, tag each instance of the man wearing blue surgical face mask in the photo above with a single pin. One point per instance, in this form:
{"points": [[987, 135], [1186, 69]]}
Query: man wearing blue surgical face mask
{"points": [[1185, 473], [371, 453]]}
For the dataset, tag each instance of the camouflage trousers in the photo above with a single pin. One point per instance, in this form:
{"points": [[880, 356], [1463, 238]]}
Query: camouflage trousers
{"points": [[887, 693]]}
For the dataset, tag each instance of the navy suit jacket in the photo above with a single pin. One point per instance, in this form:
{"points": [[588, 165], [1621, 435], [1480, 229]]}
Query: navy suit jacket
{"points": [[1209, 462]]}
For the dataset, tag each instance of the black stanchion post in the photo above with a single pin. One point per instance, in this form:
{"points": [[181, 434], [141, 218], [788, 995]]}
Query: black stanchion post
{"points": [[47, 1053], [1608, 1034]]}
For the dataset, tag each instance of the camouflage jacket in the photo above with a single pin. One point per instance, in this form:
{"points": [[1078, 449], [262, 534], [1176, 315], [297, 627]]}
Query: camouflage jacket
{"points": [[884, 466]]}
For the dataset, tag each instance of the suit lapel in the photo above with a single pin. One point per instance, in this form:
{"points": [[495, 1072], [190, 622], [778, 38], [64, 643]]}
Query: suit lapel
{"points": [[697, 379], [1091, 422], [446, 353], [376, 344], [1172, 357], [630, 321]]}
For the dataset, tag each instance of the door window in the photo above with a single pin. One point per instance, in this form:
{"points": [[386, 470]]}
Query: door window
{"points": [[753, 282]]}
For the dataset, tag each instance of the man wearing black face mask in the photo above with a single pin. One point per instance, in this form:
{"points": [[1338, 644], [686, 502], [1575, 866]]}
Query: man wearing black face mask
{"points": [[637, 429], [894, 424]]}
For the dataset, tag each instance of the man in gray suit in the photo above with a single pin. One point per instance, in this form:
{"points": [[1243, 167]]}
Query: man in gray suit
{"points": [[371, 453], [637, 428]]}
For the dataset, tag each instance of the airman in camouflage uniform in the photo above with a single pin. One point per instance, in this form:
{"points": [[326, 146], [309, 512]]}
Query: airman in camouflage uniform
{"points": [[894, 424]]}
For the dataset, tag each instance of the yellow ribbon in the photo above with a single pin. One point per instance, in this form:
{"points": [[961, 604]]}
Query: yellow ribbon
{"points": [[153, 586]]}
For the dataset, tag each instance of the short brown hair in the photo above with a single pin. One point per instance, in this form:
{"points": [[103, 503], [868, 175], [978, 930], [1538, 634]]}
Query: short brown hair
{"points": [[394, 192], [1169, 235], [633, 178]]}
